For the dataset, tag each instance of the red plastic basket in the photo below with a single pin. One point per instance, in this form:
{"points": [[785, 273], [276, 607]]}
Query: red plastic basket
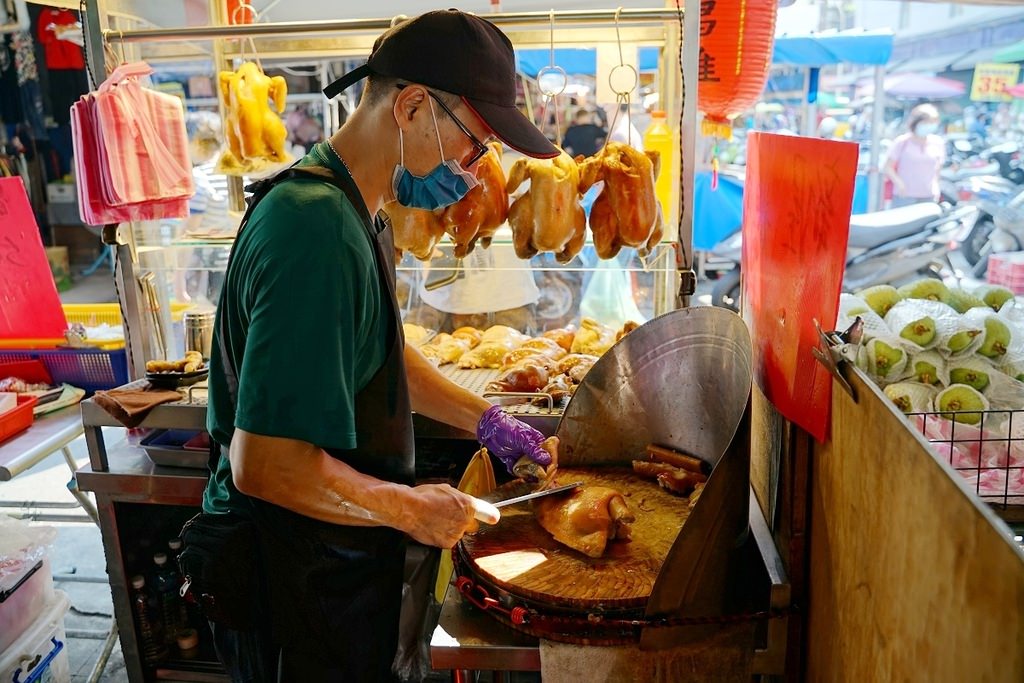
{"points": [[18, 420]]}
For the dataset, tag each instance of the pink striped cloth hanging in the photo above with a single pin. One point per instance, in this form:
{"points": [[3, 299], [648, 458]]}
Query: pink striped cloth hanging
{"points": [[131, 151]]}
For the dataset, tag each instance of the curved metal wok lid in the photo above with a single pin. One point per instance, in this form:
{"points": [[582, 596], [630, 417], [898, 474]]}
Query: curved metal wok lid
{"points": [[681, 380]]}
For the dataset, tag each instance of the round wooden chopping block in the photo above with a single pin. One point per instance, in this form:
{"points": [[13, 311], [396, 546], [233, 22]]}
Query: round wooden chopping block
{"points": [[520, 557]]}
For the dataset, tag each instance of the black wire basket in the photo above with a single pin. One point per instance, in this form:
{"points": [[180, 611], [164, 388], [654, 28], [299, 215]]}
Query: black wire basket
{"points": [[986, 448]]}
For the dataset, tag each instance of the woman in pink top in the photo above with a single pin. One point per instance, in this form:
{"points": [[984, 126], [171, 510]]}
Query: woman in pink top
{"points": [[915, 159]]}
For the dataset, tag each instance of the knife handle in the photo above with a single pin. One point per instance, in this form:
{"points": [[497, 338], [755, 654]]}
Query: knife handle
{"points": [[485, 512]]}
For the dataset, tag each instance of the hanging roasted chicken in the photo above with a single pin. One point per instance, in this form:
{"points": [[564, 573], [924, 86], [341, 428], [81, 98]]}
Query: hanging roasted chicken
{"points": [[547, 217], [481, 212], [626, 213], [255, 134], [415, 230]]}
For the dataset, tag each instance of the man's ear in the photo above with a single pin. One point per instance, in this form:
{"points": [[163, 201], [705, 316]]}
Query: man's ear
{"points": [[408, 101]]}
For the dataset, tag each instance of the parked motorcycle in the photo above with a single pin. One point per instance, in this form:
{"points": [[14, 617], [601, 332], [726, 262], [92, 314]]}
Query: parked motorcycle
{"points": [[884, 247], [990, 194], [1002, 232]]}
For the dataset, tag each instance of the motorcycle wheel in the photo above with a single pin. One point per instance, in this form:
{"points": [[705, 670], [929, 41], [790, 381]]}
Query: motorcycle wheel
{"points": [[726, 292], [977, 238]]}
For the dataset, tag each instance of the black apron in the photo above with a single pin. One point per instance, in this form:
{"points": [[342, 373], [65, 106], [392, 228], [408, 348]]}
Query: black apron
{"points": [[335, 592]]}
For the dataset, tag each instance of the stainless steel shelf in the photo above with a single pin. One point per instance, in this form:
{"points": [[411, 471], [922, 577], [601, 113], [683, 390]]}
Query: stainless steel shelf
{"points": [[133, 478]]}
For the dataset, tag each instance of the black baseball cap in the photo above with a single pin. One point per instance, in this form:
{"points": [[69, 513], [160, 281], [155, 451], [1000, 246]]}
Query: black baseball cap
{"points": [[462, 54]]}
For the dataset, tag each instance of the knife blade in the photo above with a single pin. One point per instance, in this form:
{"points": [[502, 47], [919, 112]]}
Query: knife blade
{"points": [[490, 514]]}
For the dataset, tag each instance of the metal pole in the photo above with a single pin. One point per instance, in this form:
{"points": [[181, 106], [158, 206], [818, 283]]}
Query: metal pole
{"points": [[94, 42], [285, 28], [688, 141], [877, 124]]}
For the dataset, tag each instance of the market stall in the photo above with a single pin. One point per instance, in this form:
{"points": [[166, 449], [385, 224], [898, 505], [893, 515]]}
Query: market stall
{"points": [[755, 482]]}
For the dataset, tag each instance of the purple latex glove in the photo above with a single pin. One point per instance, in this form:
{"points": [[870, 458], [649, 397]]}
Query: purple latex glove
{"points": [[508, 439]]}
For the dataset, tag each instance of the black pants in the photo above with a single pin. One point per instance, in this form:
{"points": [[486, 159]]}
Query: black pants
{"points": [[332, 597]]}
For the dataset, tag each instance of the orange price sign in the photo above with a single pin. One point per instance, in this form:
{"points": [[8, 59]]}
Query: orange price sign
{"points": [[991, 81]]}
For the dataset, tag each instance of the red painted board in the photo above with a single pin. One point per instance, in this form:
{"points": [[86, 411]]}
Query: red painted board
{"points": [[796, 219], [29, 305]]}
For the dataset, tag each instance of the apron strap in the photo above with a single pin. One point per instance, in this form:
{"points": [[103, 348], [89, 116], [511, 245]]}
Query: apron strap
{"points": [[259, 190]]}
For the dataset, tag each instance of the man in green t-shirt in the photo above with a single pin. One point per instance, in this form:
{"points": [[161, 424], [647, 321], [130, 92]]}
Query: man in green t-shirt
{"points": [[311, 386]]}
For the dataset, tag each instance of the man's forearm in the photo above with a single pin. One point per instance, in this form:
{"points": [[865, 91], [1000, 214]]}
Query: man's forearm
{"points": [[313, 484], [435, 396]]}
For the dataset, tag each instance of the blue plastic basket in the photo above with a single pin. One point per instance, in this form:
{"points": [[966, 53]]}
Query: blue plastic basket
{"points": [[89, 369]]}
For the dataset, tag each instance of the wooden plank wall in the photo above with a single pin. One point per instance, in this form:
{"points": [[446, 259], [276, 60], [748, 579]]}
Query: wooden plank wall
{"points": [[911, 579]]}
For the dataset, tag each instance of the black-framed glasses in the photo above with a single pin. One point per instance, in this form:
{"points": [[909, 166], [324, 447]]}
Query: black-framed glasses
{"points": [[481, 148]]}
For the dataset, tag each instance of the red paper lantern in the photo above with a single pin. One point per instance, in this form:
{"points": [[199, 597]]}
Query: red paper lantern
{"points": [[736, 38]]}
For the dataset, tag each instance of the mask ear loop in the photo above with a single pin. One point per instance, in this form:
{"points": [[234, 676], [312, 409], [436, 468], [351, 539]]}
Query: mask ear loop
{"points": [[437, 131]]}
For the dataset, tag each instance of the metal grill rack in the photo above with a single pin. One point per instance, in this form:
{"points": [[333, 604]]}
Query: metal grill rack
{"points": [[477, 380], [988, 455]]}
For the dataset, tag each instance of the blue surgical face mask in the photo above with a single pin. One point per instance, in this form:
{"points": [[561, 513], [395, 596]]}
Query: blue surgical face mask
{"points": [[446, 184], [926, 129]]}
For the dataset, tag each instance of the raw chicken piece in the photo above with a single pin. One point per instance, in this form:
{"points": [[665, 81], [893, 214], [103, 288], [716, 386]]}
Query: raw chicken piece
{"points": [[549, 347], [503, 333], [593, 338], [525, 377], [626, 213], [488, 355], [548, 217], [586, 518], [481, 212], [562, 335], [446, 348], [574, 359], [416, 230], [415, 335], [473, 335], [559, 387], [255, 134]]}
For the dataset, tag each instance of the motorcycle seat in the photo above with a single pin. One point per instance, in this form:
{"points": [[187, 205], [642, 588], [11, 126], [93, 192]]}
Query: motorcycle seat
{"points": [[871, 229]]}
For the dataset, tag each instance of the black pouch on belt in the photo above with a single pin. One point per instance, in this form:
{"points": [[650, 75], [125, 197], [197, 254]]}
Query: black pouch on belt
{"points": [[221, 566]]}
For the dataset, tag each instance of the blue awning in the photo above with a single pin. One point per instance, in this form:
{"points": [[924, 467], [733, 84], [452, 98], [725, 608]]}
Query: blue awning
{"points": [[842, 47], [577, 60]]}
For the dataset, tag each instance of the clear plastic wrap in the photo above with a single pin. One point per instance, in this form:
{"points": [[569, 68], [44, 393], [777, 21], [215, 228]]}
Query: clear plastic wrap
{"points": [[920, 324], [883, 358], [962, 399], [911, 397], [21, 546], [973, 371], [850, 307], [928, 367], [998, 337]]}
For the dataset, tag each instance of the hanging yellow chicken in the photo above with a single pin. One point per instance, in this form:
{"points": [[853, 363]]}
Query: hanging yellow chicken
{"points": [[255, 134]]}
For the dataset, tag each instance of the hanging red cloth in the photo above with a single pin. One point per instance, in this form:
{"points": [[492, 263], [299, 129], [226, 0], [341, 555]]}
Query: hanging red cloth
{"points": [[60, 54]]}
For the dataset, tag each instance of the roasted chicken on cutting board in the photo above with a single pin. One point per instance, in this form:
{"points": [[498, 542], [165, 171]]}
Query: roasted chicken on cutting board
{"points": [[548, 216], [626, 213], [255, 134], [416, 230], [480, 213], [585, 519]]}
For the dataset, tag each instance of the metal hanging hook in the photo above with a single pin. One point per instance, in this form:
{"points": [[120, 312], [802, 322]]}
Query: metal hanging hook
{"points": [[552, 81]]}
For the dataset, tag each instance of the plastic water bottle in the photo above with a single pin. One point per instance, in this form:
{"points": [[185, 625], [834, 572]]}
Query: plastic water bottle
{"points": [[165, 583], [152, 641], [185, 620], [658, 138]]}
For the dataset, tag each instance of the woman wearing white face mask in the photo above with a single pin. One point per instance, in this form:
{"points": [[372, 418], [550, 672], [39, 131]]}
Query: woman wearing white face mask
{"points": [[915, 159]]}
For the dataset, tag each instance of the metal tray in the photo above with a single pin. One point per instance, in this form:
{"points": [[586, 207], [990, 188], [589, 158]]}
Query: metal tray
{"points": [[165, 447]]}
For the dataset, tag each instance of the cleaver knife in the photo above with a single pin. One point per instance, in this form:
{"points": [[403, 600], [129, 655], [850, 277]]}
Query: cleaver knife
{"points": [[490, 514]]}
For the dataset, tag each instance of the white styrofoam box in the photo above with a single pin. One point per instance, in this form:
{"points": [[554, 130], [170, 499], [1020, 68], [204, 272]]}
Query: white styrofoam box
{"points": [[24, 595], [8, 401], [41, 650], [61, 193]]}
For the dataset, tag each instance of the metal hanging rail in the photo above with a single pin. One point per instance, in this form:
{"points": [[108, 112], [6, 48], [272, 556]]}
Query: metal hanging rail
{"points": [[278, 29]]}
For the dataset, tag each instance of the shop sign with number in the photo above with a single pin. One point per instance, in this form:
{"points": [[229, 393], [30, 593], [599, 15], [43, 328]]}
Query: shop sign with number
{"points": [[991, 81]]}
